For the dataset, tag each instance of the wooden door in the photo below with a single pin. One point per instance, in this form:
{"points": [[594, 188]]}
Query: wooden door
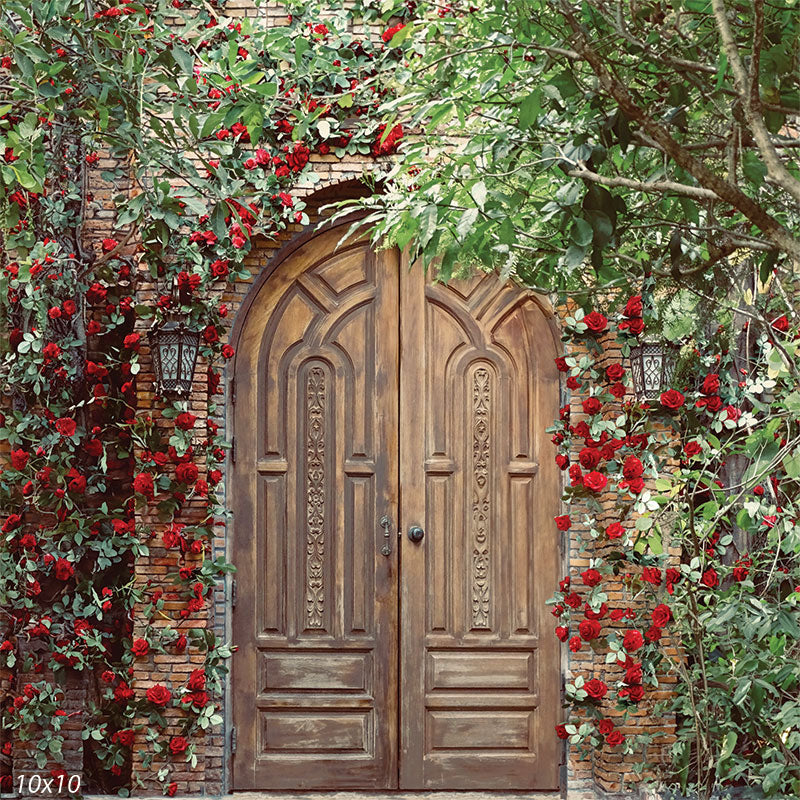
{"points": [[315, 683], [479, 663], [359, 384]]}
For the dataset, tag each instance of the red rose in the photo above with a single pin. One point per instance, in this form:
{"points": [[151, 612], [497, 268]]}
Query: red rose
{"points": [[132, 341], [561, 364], [711, 384], [653, 633], [692, 448], [595, 688], [65, 426], [633, 674], [595, 481], [185, 421], [587, 610], [615, 371], [77, 483], [672, 398], [632, 641], [781, 323], [196, 699], [50, 351], [710, 578], [633, 308], [210, 334], [159, 695], [561, 732], [573, 600], [634, 326], [186, 473], [618, 390], [96, 294], [123, 692], [563, 522], [227, 351], [732, 413], [197, 680], [633, 693], [125, 737], [589, 629], [63, 570], [562, 461], [591, 405], [575, 644], [109, 245], [178, 744], [595, 322], [19, 459], [614, 738], [673, 576], [140, 647], [605, 726], [652, 575], [562, 633], [662, 614], [172, 789], [573, 383], [615, 530], [143, 484], [591, 577], [589, 457], [632, 468]]}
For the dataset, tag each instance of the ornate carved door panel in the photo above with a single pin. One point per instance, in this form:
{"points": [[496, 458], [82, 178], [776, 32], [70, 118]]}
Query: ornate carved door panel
{"points": [[479, 670], [315, 681]]}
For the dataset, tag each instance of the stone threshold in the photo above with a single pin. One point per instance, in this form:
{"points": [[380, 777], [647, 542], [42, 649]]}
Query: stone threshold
{"points": [[354, 795]]}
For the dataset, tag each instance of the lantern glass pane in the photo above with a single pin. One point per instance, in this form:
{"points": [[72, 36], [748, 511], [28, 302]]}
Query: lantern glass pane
{"points": [[188, 358], [169, 347]]}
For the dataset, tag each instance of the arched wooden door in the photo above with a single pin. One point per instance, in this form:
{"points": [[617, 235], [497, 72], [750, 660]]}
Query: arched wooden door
{"points": [[370, 401]]}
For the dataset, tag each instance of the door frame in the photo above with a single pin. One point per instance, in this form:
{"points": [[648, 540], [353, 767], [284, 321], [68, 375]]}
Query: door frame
{"points": [[291, 246]]}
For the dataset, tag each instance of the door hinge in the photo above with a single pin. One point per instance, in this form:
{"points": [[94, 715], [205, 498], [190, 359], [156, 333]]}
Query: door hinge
{"points": [[233, 739], [233, 450], [233, 592]]}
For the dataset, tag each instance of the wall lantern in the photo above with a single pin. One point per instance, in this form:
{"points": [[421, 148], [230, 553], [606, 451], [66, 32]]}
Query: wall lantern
{"points": [[174, 347], [652, 368]]}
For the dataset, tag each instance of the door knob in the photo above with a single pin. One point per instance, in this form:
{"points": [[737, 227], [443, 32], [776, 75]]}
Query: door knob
{"points": [[416, 534]]}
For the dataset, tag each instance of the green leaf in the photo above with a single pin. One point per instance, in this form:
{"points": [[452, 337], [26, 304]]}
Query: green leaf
{"points": [[466, 222], [530, 108], [478, 192], [728, 743], [581, 233]]}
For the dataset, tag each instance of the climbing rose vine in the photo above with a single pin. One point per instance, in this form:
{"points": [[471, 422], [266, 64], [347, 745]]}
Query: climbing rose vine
{"points": [[685, 510], [141, 141]]}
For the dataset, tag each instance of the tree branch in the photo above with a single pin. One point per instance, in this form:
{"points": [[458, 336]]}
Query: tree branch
{"points": [[730, 194], [644, 186], [748, 92]]}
